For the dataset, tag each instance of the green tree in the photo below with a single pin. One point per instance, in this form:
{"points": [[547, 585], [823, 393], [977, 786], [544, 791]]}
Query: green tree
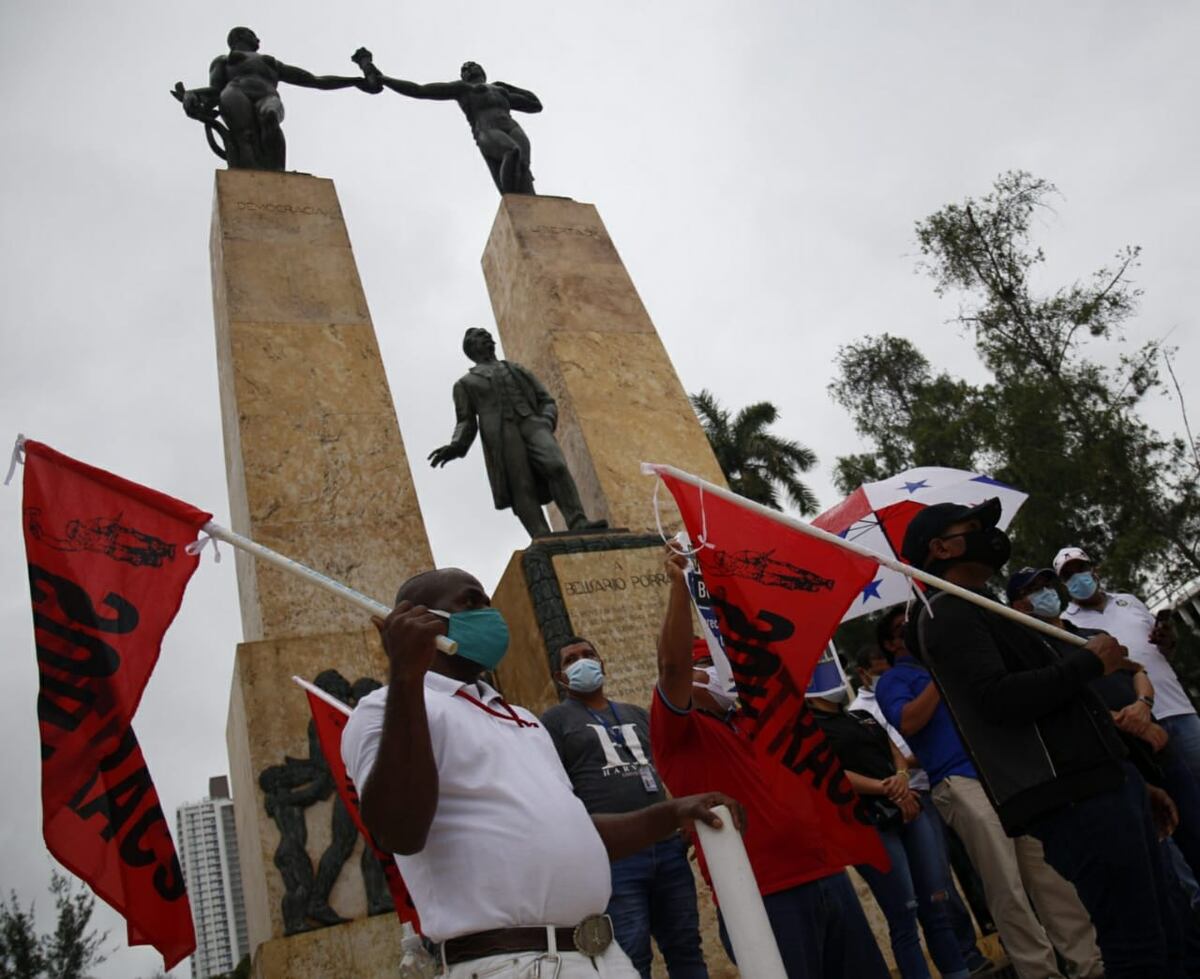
{"points": [[68, 952], [1051, 419], [757, 464], [21, 955]]}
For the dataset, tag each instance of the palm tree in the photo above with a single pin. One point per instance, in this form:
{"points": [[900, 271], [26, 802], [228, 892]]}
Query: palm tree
{"points": [[757, 464]]}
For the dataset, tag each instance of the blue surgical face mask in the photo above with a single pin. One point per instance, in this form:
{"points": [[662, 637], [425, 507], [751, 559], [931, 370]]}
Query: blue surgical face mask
{"points": [[585, 675], [1046, 603], [481, 634], [1082, 586]]}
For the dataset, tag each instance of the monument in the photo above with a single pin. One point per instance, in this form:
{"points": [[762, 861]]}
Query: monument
{"points": [[567, 309], [317, 470]]}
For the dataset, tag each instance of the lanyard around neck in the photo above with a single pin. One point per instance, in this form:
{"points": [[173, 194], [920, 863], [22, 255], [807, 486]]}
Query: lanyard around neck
{"points": [[612, 727], [510, 715]]}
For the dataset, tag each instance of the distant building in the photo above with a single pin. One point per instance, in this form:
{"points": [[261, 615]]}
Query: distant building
{"points": [[208, 851]]}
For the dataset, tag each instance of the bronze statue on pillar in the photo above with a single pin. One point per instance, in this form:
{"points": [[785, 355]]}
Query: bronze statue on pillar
{"points": [[488, 108], [516, 418], [241, 103]]}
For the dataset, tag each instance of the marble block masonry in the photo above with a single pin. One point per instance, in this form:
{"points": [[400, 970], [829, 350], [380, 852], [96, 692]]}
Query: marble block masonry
{"points": [[317, 470]]}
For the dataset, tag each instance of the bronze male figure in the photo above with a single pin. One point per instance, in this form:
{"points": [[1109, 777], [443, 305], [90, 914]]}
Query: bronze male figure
{"points": [[516, 417], [241, 102], [488, 107]]}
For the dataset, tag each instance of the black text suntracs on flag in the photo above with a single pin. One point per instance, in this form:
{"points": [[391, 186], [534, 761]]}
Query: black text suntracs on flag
{"points": [[778, 596], [107, 571]]}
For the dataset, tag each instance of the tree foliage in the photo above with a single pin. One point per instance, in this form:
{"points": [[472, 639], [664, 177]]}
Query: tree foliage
{"points": [[757, 464], [67, 952], [1052, 419]]}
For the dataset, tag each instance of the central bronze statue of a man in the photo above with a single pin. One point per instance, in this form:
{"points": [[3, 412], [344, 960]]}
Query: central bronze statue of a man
{"points": [[516, 417]]}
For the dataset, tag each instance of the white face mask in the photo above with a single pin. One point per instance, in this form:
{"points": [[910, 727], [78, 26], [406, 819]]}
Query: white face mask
{"points": [[724, 695]]}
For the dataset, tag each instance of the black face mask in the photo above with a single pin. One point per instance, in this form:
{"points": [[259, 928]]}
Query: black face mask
{"points": [[991, 547]]}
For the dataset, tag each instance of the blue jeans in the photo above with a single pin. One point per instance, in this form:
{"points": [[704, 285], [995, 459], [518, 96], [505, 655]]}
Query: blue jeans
{"points": [[821, 931], [654, 893], [1184, 788], [1107, 847], [960, 918], [918, 881], [1184, 730]]}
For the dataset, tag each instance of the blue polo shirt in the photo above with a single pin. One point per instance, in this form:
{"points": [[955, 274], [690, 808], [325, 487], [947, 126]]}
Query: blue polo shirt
{"points": [[937, 745]]}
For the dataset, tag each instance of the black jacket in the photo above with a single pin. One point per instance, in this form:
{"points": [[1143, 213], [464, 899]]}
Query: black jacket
{"points": [[1038, 735]]}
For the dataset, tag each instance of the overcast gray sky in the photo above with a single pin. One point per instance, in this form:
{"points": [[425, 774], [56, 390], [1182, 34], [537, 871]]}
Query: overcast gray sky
{"points": [[759, 166]]}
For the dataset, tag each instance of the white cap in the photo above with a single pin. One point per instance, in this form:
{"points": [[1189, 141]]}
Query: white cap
{"points": [[1069, 554]]}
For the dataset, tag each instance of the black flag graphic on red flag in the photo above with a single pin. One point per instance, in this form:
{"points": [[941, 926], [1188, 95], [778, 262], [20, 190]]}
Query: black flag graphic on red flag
{"points": [[330, 721], [779, 595], [107, 569]]}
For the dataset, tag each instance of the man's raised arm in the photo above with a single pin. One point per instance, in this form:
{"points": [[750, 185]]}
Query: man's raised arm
{"points": [[435, 91], [306, 79], [401, 793], [675, 640]]}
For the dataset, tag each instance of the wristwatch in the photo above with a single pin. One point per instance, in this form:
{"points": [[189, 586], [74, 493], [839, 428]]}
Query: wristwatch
{"points": [[1148, 701]]}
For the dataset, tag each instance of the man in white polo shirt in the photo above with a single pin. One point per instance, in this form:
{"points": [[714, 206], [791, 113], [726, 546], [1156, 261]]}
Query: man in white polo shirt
{"points": [[1126, 619], [509, 873]]}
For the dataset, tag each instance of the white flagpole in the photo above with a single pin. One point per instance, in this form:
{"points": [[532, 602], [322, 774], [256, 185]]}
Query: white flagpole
{"points": [[324, 695], [746, 920], [655, 469], [368, 605]]}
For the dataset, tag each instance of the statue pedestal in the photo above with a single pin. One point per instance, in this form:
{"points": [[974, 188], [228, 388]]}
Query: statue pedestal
{"points": [[366, 947], [608, 587], [317, 470]]}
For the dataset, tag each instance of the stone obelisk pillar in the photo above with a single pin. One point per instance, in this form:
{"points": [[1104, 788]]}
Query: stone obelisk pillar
{"points": [[568, 310], [317, 470]]}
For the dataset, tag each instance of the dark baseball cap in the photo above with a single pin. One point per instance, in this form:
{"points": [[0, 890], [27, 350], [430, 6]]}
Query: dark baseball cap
{"points": [[1024, 578], [930, 522]]}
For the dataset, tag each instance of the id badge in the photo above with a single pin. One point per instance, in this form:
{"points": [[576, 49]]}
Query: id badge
{"points": [[648, 780]]}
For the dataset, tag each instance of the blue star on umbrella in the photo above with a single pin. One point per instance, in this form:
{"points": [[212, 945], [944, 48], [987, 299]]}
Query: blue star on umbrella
{"points": [[872, 590], [913, 487]]}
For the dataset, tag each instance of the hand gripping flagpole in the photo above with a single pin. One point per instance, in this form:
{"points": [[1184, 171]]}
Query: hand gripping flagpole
{"points": [[368, 605], [656, 469]]}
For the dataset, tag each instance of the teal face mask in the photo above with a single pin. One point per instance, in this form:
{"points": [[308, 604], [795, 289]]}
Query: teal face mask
{"points": [[481, 634]]}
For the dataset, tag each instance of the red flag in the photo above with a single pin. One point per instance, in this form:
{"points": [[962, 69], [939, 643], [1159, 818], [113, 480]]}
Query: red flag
{"points": [[107, 570], [779, 595], [330, 722]]}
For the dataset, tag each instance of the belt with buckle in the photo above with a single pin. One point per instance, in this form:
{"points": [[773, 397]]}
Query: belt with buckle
{"points": [[591, 937]]}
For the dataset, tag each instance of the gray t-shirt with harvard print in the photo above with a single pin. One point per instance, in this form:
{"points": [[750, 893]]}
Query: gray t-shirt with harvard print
{"points": [[606, 754]]}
